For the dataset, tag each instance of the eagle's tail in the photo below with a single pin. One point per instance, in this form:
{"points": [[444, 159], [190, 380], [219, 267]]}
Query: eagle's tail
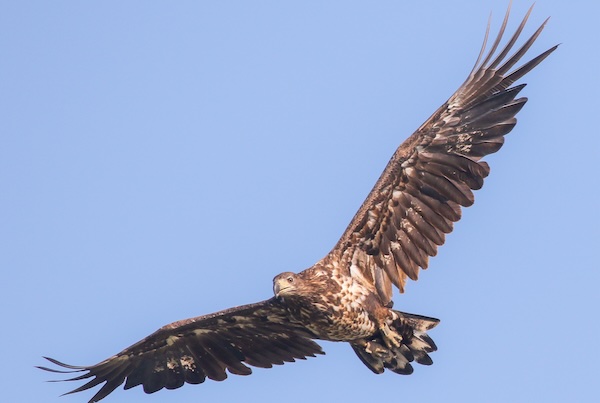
{"points": [[415, 345]]}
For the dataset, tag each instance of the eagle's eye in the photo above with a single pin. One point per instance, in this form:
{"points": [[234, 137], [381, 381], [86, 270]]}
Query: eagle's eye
{"points": [[290, 279]]}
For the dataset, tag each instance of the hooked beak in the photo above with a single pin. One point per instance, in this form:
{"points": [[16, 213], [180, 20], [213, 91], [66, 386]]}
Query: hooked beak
{"points": [[280, 286]]}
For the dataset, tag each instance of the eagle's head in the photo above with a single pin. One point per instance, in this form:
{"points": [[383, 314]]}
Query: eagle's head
{"points": [[286, 284]]}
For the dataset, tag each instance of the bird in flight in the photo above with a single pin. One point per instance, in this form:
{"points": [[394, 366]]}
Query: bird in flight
{"points": [[347, 295]]}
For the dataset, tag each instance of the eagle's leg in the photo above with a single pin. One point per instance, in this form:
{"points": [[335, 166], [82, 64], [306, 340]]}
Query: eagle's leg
{"points": [[402, 338], [391, 337]]}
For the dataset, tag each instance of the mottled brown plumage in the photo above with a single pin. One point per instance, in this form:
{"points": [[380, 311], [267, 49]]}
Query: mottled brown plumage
{"points": [[347, 296]]}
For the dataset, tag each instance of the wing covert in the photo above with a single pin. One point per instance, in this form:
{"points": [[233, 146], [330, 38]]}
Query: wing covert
{"points": [[419, 195]]}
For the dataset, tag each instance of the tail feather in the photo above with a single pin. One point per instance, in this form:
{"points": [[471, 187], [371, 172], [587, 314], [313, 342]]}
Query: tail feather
{"points": [[415, 345]]}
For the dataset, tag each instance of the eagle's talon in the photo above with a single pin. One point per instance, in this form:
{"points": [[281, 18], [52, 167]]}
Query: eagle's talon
{"points": [[377, 350], [391, 338]]}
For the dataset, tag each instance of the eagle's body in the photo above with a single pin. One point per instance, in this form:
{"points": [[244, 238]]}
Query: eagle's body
{"points": [[336, 306], [347, 295], [332, 305]]}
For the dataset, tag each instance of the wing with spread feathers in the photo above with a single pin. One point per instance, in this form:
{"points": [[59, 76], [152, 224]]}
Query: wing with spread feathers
{"points": [[432, 174], [191, 350]]}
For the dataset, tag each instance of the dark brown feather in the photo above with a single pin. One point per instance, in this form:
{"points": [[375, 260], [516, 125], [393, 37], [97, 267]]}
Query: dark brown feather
{"points": [[189, 351]]}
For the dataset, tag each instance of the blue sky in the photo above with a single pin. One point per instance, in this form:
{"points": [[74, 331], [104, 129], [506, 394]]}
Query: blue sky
{"points": [[163, 160]]}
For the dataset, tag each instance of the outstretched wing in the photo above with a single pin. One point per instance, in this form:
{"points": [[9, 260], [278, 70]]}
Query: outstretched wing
{"points": [[432, 174], [194, 349]]}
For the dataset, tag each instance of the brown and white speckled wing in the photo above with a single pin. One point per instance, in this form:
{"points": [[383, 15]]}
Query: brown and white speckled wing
{"points": [[189, 351], [432, 174]]}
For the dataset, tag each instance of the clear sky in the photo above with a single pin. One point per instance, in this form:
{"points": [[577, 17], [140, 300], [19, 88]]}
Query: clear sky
{"points": [[163, 160]]}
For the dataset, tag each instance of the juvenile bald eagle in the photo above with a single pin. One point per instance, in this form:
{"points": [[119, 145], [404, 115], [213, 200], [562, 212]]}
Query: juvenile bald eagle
{"points": [[347, 296]]}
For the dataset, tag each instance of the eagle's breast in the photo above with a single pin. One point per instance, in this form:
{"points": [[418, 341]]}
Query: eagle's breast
{"points": [[336, 308]]}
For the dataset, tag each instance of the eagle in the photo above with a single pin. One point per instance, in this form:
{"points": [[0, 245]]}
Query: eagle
{"points": [[347, 295]]}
